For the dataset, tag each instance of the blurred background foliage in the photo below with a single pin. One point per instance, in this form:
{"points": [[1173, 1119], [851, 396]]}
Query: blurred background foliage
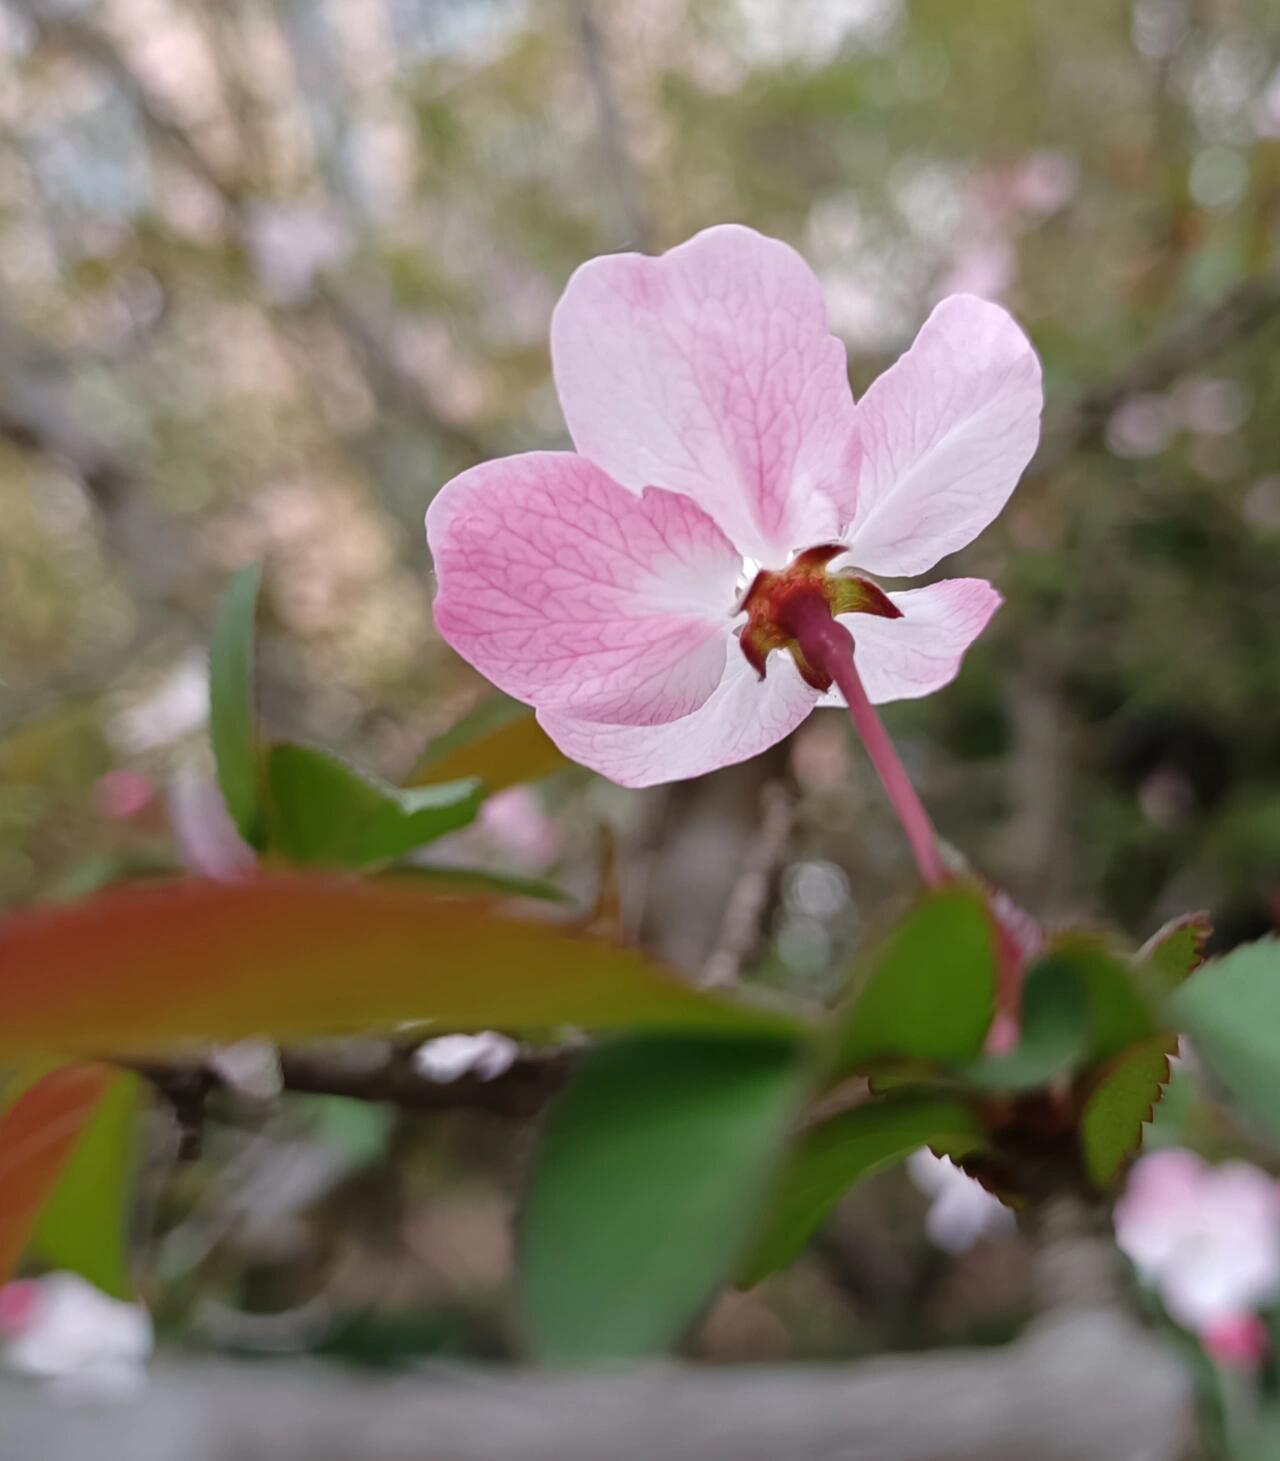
{"points": [[270, 273]]}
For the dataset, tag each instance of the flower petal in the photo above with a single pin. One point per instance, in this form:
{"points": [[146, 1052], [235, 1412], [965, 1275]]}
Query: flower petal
{"points": [[942, 438], [573, 594], [711, 371], [745, 716], [903, 659]]}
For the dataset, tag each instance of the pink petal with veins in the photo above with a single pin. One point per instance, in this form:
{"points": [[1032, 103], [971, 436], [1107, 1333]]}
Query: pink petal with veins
{"points": [[745, 716], [574, 594], [711, 371], [942, 438], [903, 659]]}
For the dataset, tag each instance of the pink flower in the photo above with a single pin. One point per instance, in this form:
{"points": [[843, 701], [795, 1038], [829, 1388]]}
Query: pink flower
{"points": [[1208, 1240], [716, 436]]}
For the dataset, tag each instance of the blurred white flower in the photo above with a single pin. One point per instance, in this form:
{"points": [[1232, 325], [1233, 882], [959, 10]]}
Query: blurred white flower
{"points": [[1207, 1239], [62, 1329], [1219, 176], [447, 1057], [178, 706], [962, 1210], [249, 1067]]}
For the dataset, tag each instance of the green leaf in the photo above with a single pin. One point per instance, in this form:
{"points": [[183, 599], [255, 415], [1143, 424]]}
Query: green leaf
{"points": [[84, 1224], [163, 965], [323, 812], [43, 1111], [928, 992], [232, 716], [1231, 1009], [500, 741], [1120, 1014], [1055, 1032], [1176, 951], [1131, 1087], [832, 1155], [448, 877], [1120, 1104], [359, 1130], [647, 1180]]}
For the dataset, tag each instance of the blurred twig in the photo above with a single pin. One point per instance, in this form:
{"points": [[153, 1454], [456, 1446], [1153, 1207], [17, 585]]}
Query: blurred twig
{"points": [[619, 157], [396, 387], [1185, 345], [517, 1094], [75, 37], [1077, 1386], [35, 415], [740, 926]]}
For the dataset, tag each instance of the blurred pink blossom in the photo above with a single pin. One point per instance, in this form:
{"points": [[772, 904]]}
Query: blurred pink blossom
{"points": [[512, 833], [519, 830], [1207, 1239], [1002, 201], [717, 436], [986, 263], [1039, 183], [122, 794], [1239, 1342]]}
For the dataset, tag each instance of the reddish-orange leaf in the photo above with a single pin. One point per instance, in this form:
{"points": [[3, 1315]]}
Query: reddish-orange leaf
{"points": [[147, 968], [39, 1130]]}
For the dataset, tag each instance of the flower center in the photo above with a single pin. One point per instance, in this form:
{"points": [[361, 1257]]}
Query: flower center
{"points": [[776, 595]]}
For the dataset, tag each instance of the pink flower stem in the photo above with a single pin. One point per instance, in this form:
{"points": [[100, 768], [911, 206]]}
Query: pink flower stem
{"points": [[828, 646]]}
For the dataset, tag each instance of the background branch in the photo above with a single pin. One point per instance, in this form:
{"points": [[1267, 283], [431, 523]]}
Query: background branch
{"points": [[1184, 346], [518, 1093], [1076, 1387]]}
